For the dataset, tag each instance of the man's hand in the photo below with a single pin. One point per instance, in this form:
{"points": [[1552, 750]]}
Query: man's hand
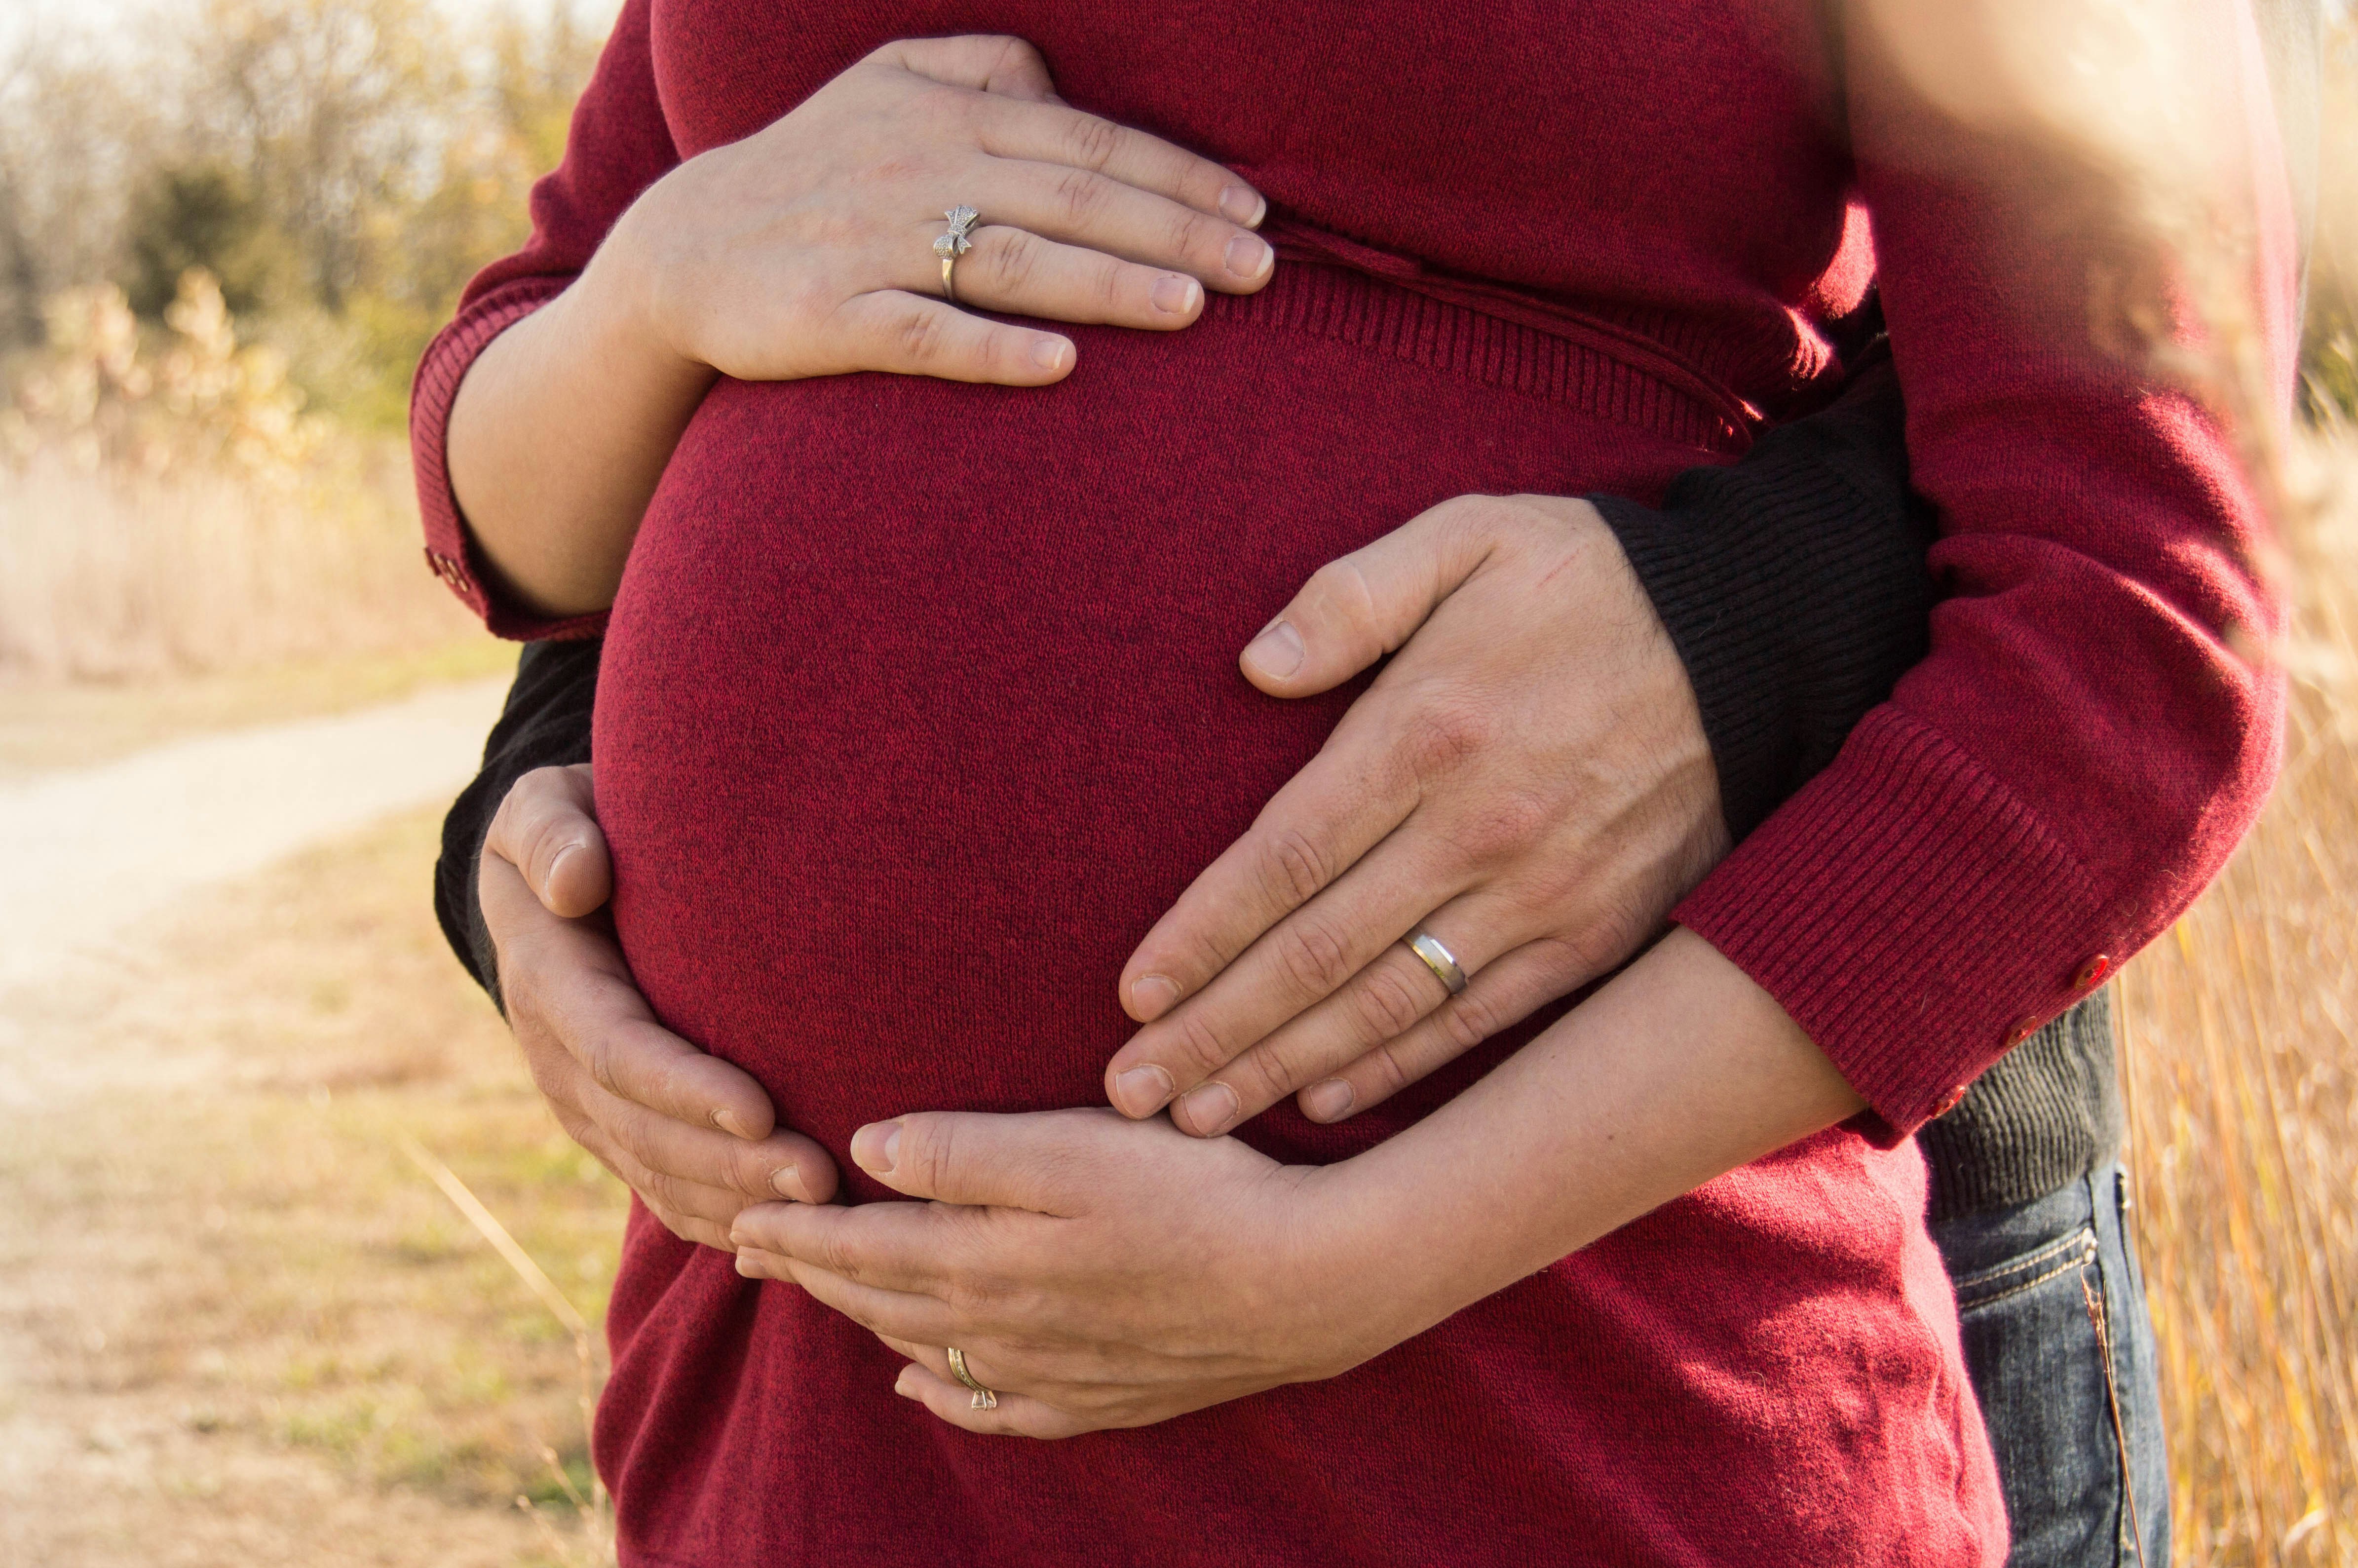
{"points": [[1528, 780], [1096, 1272], [693, 1136]]}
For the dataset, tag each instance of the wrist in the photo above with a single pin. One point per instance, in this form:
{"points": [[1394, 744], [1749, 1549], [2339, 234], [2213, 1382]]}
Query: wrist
{"points": [[1369, 1243], [628, 296]]}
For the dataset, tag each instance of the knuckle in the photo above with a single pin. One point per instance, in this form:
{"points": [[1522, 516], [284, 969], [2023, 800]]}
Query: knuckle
{"points": [[1340, 589], [1091, 142], [660, 1189], [1504, 824], [940, 104], [1441, 738], [1470, 1018], [1260, 1078], [599, 1058], [920, 336], [1080, 194], [1294, 869], [1390, 1074], [748, 1171], [928, 1151], [1200, 1046], [1193, 235], [1385, 1004], [1312, 956], [836, 1256], [1015, 262]]}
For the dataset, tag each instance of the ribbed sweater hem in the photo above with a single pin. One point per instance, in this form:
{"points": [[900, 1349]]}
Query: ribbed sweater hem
{"points": [[1910, 912]]}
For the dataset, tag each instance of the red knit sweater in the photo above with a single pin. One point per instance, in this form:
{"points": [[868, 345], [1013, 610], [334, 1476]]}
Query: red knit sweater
{"points": [[921, 703]]}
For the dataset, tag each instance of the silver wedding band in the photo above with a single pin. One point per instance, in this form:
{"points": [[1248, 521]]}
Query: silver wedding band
{"points": [[1438, 958], [954, 245]]}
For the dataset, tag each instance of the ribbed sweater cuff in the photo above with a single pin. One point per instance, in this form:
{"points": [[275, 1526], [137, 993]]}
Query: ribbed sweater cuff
{"points": [[451, 553], [1912, 913]]}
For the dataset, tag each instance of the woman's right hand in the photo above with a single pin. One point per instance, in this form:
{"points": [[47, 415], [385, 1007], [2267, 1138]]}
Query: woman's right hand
{"points": [[805, 249]]}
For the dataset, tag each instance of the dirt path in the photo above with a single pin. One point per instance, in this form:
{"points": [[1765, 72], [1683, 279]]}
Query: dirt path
{"points": [[237, 1327], [89, 850]]}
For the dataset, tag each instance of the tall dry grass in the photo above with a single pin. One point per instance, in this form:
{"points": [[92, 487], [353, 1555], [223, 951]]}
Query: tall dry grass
{"points": [[167, 506], [2242, 1060]]}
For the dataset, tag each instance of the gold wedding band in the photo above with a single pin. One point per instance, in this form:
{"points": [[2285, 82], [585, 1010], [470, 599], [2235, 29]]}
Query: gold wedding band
{"points": [[1438, 958], [954, 245], [984, 1400]]}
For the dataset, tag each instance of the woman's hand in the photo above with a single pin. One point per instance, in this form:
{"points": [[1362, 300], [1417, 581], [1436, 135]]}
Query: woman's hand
{"points": [[1098, 1272], [805, 249], [1528, 780], [693, 1136]]}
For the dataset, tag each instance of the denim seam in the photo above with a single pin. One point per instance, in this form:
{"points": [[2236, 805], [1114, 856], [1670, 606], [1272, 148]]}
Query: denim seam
{"points": [[2028, 1260], [2084, 1253]]}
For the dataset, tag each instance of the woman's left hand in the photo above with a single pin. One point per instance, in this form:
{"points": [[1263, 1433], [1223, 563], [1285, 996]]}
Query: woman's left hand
{"points": [[1094, 1272]]}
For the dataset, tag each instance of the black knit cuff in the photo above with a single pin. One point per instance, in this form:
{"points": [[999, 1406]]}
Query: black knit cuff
{"points": [[2049, 1112], [545, 724], [1793, 586]]}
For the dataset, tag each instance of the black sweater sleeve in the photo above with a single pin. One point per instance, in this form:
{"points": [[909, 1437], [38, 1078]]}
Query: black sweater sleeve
{"points": [[1792, 584], [545, 724]]}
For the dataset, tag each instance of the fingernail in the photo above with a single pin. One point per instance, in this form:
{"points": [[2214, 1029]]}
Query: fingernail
{"points": [[730, 1125], [1153, 995], [1329, 1099], [1143, 1091], [1048, 353], [1278, 652], [1210, 1107], [788, 1184], [745, 1267], [901, 1385], [1249, 257], [557, 864], [1175, 296], [876, 1146], [1240, 205]]}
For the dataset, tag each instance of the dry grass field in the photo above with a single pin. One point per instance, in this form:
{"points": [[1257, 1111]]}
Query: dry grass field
{"points": [[2243, 1069], [238, 1326]]}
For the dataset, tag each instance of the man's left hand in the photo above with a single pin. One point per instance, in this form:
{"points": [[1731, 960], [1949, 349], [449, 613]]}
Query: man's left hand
{"points": [[1528, 781]]}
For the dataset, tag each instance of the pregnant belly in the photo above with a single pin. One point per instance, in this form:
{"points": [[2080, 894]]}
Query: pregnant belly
{"points": [[920, 701]]}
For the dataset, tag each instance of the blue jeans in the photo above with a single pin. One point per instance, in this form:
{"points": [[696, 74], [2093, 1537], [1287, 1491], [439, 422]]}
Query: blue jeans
{"points": [[2035, 1364]]}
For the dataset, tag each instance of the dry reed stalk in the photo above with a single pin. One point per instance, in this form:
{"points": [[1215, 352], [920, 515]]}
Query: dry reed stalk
{"points": [[595, 1548], [2243, 1086]]}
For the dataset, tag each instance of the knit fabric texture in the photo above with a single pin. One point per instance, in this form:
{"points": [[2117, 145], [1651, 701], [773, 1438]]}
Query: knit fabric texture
{"points": [[912, 686]]}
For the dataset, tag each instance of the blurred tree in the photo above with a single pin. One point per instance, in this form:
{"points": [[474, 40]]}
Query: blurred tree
{"points": [[205, 216], [342, 167]]}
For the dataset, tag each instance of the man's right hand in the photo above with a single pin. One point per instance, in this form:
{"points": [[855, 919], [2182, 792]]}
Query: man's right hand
{"points": [[697, 1138]]}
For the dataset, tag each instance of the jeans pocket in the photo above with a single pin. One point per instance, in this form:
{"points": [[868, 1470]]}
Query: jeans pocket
{"points": [[2068, 1253]]}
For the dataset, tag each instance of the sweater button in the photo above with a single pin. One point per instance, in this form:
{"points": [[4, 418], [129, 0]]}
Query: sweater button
{"points": [[2093, 972], [1948, 1102], [2022, 1029]]}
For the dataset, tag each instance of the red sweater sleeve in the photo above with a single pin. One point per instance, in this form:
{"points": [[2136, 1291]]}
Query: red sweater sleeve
{"points": [[619, 144], [2096, 725]]}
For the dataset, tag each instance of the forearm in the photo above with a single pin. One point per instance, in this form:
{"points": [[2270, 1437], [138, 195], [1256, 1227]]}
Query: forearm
{"points": [[1678, 1071], [561, 430]]}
